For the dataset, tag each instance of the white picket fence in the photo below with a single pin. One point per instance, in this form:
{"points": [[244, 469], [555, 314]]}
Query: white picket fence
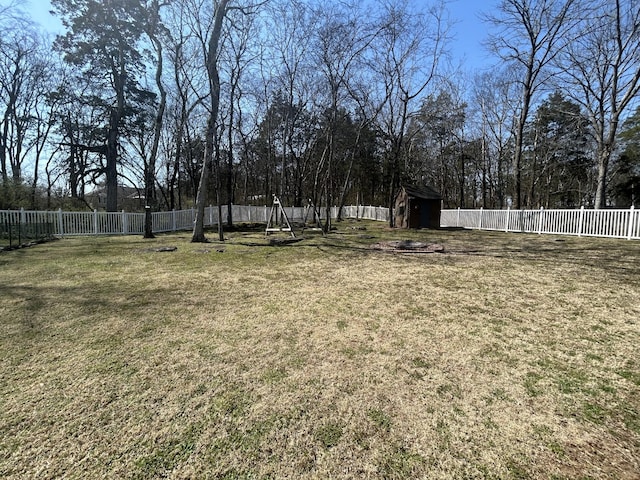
{"points": [[123, 223], [583, 222]]}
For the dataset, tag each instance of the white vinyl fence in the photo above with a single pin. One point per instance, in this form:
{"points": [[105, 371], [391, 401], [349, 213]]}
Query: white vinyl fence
{"points": [[582, 222], [62, 223]]}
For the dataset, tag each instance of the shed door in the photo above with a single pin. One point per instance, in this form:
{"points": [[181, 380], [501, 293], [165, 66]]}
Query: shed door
{"points": [[416, 214], [425, 215]]}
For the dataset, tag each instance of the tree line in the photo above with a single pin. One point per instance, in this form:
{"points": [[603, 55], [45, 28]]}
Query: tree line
{"points": [[329, 103]]}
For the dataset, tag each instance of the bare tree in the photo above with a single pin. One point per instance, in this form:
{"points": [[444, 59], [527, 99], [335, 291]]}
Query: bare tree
{"points": [[25, 70], [235, 61], [602, 71], [343, 37], [211, 57], [409, 51], [290, 37], [495, 96], [530, 34], [43, 115], [367, 107], [185, 94], [154, 30]]}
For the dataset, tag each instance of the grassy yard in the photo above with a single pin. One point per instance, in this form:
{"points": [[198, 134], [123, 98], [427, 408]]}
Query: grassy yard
{"points": [[506, 357]]}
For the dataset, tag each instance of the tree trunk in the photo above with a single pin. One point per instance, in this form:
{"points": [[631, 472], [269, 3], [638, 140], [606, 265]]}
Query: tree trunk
{"points": [[34, 182], [214, 90], [522, 119], [5, 138], [603, 166], [119, 78], [112, 160], [462, 178], [229, 178], [201, 197], [150, 170], [3, 153]]}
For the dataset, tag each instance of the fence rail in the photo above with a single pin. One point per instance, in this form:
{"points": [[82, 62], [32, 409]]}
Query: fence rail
{"points": [[62, 223], [583, 222]]}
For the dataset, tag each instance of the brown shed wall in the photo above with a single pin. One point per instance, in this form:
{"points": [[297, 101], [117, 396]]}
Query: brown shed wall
{"points": [[413, 212]]}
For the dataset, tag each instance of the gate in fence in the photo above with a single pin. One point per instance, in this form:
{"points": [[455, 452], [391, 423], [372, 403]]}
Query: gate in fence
{"points": [[15, 232]]}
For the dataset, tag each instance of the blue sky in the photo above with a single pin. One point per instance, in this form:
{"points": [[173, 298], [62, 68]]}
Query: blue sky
{"points": [[469, 31], [39, 11]]}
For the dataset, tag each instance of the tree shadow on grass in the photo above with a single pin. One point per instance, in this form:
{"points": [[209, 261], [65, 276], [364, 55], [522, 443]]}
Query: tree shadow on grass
{"points": [[38, 309], [613, 257]]}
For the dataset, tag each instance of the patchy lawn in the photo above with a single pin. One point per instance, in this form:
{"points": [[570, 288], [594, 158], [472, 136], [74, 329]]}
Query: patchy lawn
{"points": [[506, 356]]}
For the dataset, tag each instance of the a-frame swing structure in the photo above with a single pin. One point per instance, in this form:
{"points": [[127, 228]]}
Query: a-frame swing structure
{"points": [[278, 220], [315, 214]]}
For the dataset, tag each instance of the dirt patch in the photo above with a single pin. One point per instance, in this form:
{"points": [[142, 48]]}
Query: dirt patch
{"points": [[162, 249], [408, 246], [275, 242]]}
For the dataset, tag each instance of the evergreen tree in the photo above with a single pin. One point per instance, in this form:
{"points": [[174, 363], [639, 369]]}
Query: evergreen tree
{"points": [[102, 40], [557, 169], [624, 185]]}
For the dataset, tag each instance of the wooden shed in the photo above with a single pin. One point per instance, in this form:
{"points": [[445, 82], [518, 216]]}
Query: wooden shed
{"points": [[417, 207]]}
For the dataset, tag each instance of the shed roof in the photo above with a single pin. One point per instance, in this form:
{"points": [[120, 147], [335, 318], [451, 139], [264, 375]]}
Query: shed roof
{"points": [[425, 192]]}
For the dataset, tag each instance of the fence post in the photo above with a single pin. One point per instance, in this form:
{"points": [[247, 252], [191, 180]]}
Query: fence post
{"points": [[580, 221], [60, 223], [458, 218], [173, 220], [631, 218], [480, 223], [506, 224], [540, 220], [125, 226], [8, 224], [95, 221], [21, 224]]}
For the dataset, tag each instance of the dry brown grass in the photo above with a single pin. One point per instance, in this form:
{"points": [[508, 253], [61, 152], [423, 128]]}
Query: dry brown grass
{"points": [[508, 356]]}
